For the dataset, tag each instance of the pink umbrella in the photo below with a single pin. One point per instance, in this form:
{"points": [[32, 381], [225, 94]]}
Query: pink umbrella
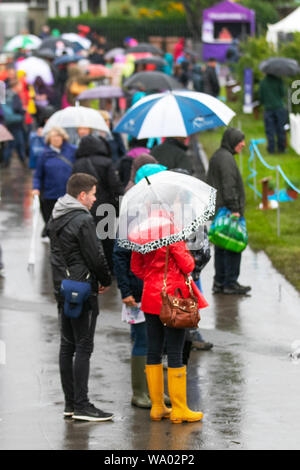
{"points": [[5, 135]]}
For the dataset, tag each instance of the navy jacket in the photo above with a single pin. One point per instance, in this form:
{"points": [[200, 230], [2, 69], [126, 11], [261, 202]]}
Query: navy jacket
{"points": [[128, 283], [51, 174]]}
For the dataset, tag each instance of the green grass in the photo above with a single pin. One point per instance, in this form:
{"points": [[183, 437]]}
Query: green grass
{"points": [[283, 250]]}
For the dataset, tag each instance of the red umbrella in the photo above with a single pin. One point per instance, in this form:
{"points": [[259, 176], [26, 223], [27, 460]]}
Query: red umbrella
{"points": [[98, 70]]}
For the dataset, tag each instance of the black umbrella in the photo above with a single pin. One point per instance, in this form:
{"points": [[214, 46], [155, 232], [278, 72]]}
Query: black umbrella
{"points": [[67, 59], [153, 81], [52, 43], [144, 47], [280, 67], [45, 53], [155, 60]]}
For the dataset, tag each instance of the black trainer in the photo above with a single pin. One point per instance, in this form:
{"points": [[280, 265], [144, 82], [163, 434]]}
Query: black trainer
{"points": [[217, 288], [236, 289], [69, 411], [91, 413], [246, 288]]}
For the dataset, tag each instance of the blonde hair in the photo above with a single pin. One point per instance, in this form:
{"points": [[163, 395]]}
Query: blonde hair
{"points": [[104, 114], [57, 130]]}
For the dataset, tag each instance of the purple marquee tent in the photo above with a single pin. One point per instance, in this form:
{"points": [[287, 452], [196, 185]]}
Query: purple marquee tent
{"points": [[223, 23]]}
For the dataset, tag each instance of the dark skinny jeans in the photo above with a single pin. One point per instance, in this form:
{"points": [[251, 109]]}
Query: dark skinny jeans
{"points": [[76, 347], [157, 334]]}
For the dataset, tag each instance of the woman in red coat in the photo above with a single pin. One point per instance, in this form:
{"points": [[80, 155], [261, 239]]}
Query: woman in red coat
{"points": [[150, 268]]}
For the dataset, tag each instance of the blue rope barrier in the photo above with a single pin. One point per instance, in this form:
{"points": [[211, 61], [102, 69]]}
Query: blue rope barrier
{"points": [[255, 150]]}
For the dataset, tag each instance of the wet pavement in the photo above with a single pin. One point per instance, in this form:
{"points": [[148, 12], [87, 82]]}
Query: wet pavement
{"points": [[247, 385]]}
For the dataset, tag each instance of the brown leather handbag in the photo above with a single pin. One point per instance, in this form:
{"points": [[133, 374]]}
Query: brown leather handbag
{"points": [[177, 312]]}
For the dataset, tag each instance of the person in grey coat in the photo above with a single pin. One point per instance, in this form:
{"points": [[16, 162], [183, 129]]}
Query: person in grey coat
{"points": [[224, 175]]}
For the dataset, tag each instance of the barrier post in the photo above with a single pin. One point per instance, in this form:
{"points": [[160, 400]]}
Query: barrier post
{"points": [[278, 207], [255, 173]]}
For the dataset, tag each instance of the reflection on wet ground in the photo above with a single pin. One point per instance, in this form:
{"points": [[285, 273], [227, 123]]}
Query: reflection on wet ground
{"points": [[247, 386]]}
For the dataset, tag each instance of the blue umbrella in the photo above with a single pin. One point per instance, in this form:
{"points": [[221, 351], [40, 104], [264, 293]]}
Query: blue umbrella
{"points": [[174, 114], [67, 59], [148, 170]]}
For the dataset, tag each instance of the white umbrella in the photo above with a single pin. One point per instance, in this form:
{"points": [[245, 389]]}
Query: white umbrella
{"points": [[76, 116], [162, 209], [35, 67], [73, 37], [174, 113], [26, 41], [35, 221]]}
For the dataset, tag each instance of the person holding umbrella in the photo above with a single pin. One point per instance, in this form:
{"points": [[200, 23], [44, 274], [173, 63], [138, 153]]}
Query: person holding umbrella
{"points": [[150, 268], [271, 94], [153, 223]]}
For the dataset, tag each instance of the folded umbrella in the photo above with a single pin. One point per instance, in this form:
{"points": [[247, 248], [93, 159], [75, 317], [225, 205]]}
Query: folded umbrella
{"points": [[35, 220], [153, 81], [280, 67], [174, 113], [76, 116], [162, 209]]}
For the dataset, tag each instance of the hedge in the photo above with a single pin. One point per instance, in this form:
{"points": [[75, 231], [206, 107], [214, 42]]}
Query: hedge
{"points": [[116, 29]]}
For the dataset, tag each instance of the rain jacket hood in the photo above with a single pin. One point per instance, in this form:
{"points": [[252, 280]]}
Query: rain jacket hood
{"points": [[67, 204], [231, 138], [91, 145]]}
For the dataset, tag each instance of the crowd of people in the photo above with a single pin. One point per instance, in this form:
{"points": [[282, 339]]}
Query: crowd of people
{"points": [[74, 173]]}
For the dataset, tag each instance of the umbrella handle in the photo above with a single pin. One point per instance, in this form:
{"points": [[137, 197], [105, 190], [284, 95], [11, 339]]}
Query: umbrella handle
{"points": [[36, 213]]}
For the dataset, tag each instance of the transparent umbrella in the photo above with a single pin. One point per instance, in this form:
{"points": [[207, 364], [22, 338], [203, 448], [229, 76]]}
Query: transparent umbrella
{"points": [[162, 209], [76, 116]]}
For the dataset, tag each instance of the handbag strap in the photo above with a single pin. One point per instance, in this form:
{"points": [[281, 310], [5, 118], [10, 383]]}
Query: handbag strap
{"points": [[65, 160], [187, 279], [166, 269]]}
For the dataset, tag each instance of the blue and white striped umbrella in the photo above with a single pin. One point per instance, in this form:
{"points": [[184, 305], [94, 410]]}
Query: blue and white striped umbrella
{"points": [[174, 114]]}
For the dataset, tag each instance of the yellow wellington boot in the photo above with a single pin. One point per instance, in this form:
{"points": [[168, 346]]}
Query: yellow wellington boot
{"points": [[177, 392], [155, 380]]}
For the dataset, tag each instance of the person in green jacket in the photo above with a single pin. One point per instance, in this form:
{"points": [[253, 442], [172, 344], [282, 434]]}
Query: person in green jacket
{"points": [[271, 94]]}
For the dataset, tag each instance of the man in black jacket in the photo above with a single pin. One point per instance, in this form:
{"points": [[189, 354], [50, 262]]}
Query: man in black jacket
{"points": [[224, 175], [173, 154], [76, 253], [210, 79]]}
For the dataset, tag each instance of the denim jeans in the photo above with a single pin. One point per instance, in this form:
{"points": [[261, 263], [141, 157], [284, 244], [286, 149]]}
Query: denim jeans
{"points": [[139, 333], [76, 347], [157, 334], [227, 267], [274, 127], [18, 143]]}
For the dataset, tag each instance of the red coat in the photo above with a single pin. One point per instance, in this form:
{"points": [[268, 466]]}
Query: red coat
{"points": [[151, 267]]}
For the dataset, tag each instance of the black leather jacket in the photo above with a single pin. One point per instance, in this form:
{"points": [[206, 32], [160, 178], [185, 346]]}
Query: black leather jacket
{"points": [[74, 245]]}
